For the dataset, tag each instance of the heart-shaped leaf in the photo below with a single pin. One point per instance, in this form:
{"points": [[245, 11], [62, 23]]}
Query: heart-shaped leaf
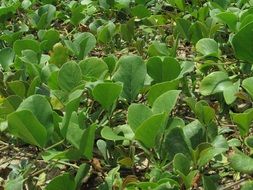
{"points": [[162, 70]]}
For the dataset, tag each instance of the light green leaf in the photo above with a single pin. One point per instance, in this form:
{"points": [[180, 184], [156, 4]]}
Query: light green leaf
{"points": [[208, 47], [108, 134], [166, 102]]}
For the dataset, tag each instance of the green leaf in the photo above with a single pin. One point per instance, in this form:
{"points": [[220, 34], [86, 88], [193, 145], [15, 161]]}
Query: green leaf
{"points": [[195, 132], [85, 43], [71, 105], [205, 113], [41, 109], [44, 16], [149, 129], [132, 73], [243, 43], [140, 11], [108, 134], [229, 93], [9, 105], [183, 26], [63, 181], [23, 124], [25, 44], [59, 55], [208, 154], [247, 185], [208, 47], [82, 172], [208, 183], [6, 57], [30, 56], [249, 141], [174, 142], [162, 70], [77, 14], [166, 102], [81, 139], [181, 164], [180, 4], [158, 89], [247, 85], [107, 94], [49, 38], [15, 184], [93, 68], [70, 76], [228, 18], [137, 114], [243, 120], [18, 87], [215, 82], [127, 30], [241, 162], [105, 33], [158, 49]]}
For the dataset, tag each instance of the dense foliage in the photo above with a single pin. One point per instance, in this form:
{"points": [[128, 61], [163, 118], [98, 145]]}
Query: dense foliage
{"points": [[126, 94]]}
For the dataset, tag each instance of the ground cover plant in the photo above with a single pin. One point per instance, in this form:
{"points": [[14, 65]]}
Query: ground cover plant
{"points": [[126, 94]]}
